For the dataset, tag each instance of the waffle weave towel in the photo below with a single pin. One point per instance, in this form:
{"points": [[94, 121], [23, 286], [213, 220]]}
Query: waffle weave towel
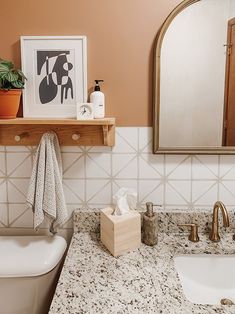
{"points": [[45, 194]]}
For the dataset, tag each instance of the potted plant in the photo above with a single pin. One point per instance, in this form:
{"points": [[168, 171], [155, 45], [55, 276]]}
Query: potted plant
{"points": [[11, 84]]}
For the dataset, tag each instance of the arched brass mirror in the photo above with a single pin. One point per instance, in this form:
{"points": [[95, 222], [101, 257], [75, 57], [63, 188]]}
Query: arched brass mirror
{"points": [[194, 105]]}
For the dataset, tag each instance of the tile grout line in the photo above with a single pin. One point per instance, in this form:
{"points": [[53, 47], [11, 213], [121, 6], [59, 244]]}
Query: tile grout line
{"points": [[138, 166], [7, 192], [85, 179], [111, 175], [191, 183], [164, 185], [218, 183]]}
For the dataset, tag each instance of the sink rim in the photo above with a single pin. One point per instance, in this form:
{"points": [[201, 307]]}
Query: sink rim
{"points": [[199, 291]]}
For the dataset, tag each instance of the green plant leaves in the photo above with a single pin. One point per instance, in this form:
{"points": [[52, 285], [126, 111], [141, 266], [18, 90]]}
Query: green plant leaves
{"points": [[10, 77], [21, 74], [18, 84], [7, 63], [4, 69]]}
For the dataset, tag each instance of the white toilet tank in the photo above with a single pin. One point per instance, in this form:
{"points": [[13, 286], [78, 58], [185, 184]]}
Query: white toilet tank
{"points": [[28, 272]]}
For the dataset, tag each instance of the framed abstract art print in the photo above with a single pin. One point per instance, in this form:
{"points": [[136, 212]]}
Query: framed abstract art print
{"points": [[56, 71]]}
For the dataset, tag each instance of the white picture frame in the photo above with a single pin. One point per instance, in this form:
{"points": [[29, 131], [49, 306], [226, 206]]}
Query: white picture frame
{"points": [[56, 72]]}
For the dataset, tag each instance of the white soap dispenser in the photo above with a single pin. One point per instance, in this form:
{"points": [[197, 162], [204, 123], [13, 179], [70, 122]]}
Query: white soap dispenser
{"points": [[97, 98]]}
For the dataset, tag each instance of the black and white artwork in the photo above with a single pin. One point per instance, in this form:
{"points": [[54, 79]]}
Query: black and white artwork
{"points": [[55, 77], [56, 71]]}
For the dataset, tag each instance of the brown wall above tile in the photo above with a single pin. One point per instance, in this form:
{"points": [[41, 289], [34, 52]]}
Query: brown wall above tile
{"points": [[120, 41]]}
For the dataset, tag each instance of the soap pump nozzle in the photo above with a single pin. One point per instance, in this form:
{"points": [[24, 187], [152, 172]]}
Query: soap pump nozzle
{"points": [[97, 86], [149, 209]]}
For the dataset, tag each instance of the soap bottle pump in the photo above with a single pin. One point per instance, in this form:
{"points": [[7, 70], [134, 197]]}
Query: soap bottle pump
{"points": [[150, 227], [98, 99]]}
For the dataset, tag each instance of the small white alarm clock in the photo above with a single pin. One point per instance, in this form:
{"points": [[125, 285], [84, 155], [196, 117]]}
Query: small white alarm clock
{"points": [[85, 111]]}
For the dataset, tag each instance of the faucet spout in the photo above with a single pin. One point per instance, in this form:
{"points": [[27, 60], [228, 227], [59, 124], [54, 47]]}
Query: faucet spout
{"points": [[214, 235]]}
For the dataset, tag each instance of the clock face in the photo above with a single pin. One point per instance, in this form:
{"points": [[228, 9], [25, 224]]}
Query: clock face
{"points": [[85, 111]]}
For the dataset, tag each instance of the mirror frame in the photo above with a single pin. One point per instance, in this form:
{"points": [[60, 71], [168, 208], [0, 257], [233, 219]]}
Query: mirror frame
{"points": [[156, 95]]}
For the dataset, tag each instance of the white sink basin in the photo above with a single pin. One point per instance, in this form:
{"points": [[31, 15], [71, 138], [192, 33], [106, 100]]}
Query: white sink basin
{"points": [[206, 279]]}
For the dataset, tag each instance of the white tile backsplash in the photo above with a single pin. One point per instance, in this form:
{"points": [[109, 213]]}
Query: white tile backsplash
{"points": [[227, 163], [126, 140], [98, 165], [172, 162], [3, 191], [74, 165], [20, 216], [92, 175], [2, 165], [145, 140], [98, 192], [124, 166], [19, 164], [204, 192], [205, 168], [74, 190], [227, 192], [151, 191], [151, 166], [3, 215]]}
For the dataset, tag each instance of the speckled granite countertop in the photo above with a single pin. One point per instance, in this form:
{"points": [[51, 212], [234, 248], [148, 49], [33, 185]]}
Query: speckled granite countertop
{"points": [[143, 281]]}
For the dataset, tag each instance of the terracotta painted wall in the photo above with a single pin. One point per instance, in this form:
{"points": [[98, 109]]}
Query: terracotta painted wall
{"points": [[120, 41]]}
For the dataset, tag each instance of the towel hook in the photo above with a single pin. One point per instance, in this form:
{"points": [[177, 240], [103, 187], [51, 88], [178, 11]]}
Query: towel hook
{"points": [[76, 136], [19, 137]]}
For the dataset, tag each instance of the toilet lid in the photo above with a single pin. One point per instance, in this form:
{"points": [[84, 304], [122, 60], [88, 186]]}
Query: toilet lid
{"points": [[26, 256]]}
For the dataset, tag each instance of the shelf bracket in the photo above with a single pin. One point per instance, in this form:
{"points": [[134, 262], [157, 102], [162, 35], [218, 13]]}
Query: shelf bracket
{"points": [[106, 134]]}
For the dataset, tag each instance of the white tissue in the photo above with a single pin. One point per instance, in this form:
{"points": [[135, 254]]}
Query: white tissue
{"points": [[124, 200]]}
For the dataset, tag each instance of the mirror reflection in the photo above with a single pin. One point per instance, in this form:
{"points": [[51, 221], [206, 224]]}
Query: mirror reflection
{"points": [[197, 76]]}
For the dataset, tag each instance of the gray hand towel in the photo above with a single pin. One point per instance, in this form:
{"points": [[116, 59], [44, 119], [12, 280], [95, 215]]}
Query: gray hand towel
{"points": [[45, 193]]}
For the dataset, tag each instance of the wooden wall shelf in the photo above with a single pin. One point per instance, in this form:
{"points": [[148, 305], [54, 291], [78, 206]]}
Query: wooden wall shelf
{"points": [[71, 132]]}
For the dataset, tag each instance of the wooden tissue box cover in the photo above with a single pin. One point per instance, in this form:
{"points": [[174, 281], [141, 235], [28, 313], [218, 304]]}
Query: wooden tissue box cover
{"points": [[120, 234]]}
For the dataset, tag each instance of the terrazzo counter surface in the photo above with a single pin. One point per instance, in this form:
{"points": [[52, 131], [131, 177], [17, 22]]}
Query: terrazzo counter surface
{"points": [[143, 281]]}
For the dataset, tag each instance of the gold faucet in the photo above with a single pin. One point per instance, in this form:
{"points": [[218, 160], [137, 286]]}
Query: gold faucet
{"points": [[214, 235]]}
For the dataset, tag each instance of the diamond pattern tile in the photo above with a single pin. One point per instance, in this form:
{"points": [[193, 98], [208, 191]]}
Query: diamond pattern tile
{"points": [[145, 140], [227, 163], [172, 162], [3, 191], [98, 192], [2, 164], [126, 140], [204, 192], [93, 174], [73, 165], [205, 167], [20, 216], [98, 165], [124, 166], [151, 191], [74, 191], [3, 215], [227, 192], [17, 190], [151, 166], [173, 196], [19, 164], [183, 170]]}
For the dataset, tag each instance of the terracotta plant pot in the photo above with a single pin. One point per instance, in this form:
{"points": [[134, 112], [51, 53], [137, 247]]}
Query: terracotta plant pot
{"points": [[9, 103]]}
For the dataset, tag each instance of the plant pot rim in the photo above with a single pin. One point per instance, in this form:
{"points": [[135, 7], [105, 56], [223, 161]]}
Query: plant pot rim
{"points": [[10, 90]]}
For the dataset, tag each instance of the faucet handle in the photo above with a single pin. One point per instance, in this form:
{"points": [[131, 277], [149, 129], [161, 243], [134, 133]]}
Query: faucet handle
{"points": [[151, 204], [193, 236]]}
